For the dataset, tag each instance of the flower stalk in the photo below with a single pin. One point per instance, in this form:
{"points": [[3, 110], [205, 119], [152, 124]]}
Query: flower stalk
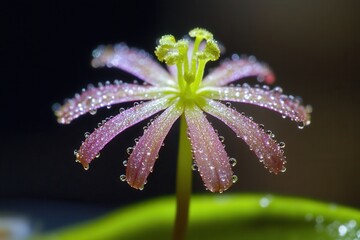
{"points": [[183, 183]]}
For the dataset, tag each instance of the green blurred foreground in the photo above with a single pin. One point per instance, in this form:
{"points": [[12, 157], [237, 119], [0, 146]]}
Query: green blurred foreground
{"points": [[249, 217]]}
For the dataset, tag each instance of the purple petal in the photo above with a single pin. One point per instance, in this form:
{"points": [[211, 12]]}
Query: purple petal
{"points": [[143, 157], [210, 156], [271, 99], [238, 68], [104, 95], [134, 61], [266, 148], [96, 141]]}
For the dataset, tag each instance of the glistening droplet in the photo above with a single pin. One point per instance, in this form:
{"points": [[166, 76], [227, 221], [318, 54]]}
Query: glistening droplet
{"points": [[123, 177], [129, 150], [194, 167], [93, 111], [234, 178], [232, 161]]}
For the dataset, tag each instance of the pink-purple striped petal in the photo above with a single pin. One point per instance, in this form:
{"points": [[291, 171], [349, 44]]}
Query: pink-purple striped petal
{"points": [[267, 149], [210, 155], [238, 68], [96, 141], [105, 95], [137, 62], [144, 154], [287, 106]]}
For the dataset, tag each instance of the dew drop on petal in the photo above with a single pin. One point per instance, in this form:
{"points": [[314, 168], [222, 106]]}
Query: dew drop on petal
{"points": [[281, 144], [129, 150], [283, 169], [232, 161], [301, 125], [194, 167], [125, 163], [222, 138], [86, 135], [93, 111], [97, 155], [278, 90], [234, 178], [123, 177]]}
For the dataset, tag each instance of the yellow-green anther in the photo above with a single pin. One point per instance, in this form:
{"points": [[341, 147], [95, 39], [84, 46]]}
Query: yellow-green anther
{"points": [[201, 33], [210, 53], [170, 51]]}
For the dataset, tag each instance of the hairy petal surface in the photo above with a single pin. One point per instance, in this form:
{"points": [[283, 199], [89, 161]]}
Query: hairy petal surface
{"points": [[107, 131], [238, 68], [210, 156], [142, 158], [266, 148], [134, 61], [271, 99], [104, 95]]}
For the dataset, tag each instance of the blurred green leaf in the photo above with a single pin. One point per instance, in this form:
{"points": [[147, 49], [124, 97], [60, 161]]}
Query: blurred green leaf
{"points": [[226, 216]]}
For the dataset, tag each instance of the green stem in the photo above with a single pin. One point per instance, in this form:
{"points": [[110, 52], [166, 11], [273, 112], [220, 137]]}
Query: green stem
{"points": [[183, 183]]}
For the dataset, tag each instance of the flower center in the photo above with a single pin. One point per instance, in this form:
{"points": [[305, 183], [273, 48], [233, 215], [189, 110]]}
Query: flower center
{"points": [[189, 59]]}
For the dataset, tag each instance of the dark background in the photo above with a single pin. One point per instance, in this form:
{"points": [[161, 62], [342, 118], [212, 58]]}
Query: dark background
{"points": [[45, 52]]}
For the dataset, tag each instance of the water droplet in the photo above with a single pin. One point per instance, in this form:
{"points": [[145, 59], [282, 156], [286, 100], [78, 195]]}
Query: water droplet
{"points": [[92, 111], [228, 104], [86, 135], [301, 125], [194, 167], [121, 110], [123, 177], [97, 155], [281, 144], [232, 161], [221, 138], [283, 169], [141, 188], [129, 150], [108, 106], [125, 163], [264, 202], [278, 90], [75, 152], [86, 166], [266, 87], [342, 230], [268, 132], [261, 126], [234, 178], [77, 160]]}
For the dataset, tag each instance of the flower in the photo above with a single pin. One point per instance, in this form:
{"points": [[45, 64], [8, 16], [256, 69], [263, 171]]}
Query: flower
{"points": [[182, 91]]}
